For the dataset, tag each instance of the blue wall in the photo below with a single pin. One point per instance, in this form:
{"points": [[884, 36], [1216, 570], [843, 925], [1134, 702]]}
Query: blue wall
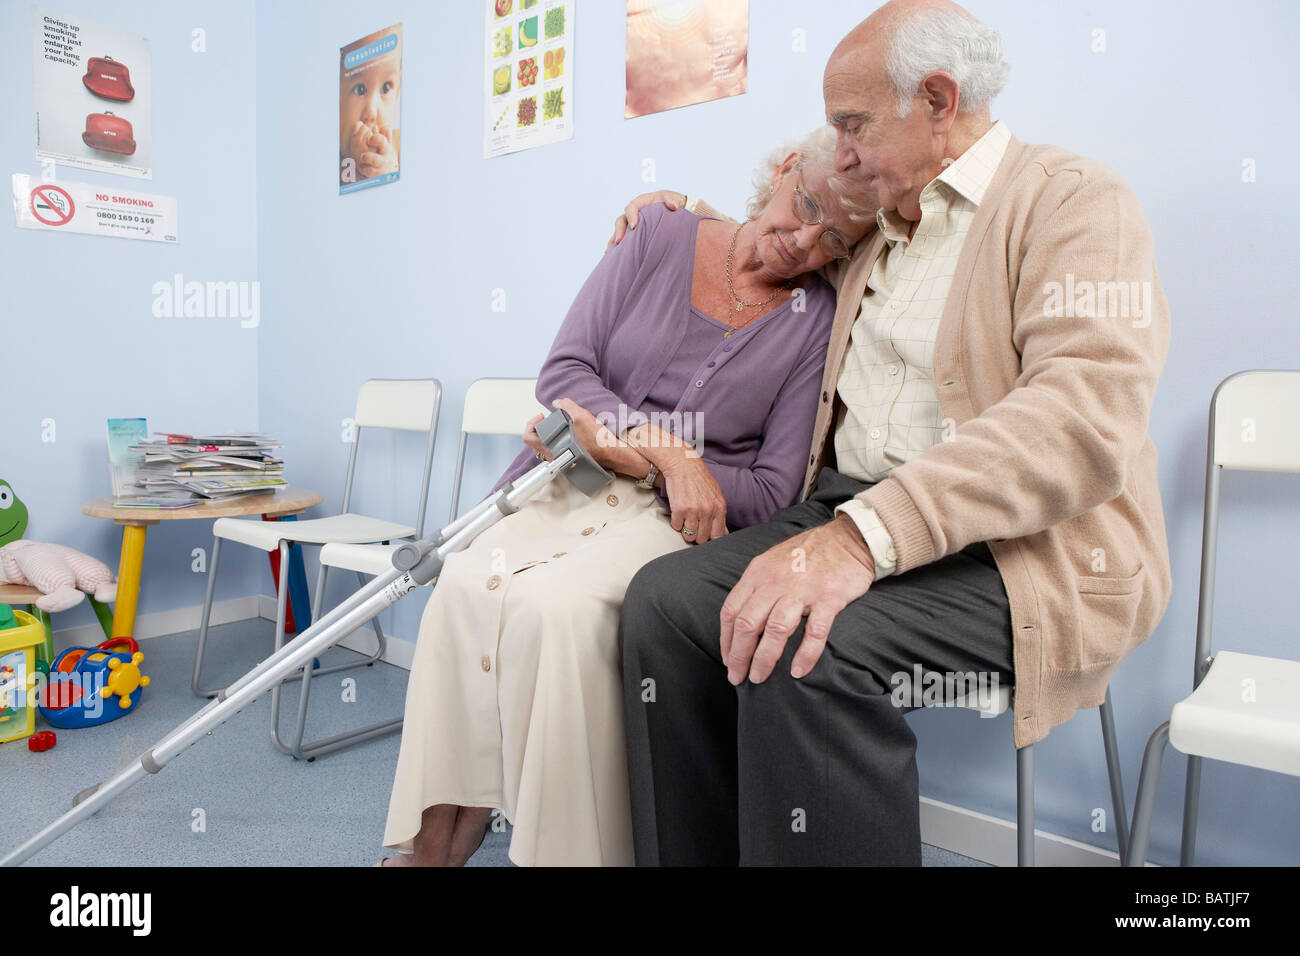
{"points": [[80, 339], [398, 282]]}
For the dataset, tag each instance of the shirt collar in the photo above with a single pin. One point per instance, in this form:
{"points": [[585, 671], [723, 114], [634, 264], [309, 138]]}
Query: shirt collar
{"points": [[972, 172], [968, 176]]}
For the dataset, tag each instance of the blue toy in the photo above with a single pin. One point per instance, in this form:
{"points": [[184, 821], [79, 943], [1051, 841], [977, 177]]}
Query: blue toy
{"points": [[89, 686]]}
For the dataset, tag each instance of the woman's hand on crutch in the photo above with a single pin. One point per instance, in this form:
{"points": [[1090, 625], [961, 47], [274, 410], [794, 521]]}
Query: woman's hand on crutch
{"points": [[601, 443], [534, 441]]}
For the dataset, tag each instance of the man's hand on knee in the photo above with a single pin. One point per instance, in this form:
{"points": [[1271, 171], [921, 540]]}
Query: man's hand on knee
{"points": [[816, 573]]}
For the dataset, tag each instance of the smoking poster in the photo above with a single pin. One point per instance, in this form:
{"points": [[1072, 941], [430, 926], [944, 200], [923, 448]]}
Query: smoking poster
{"points": [[92, 95], [682, 52], [528, 74], [370, 115], [63, 206]]}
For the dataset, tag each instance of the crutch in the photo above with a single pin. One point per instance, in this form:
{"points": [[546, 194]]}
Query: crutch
{"points": [[415, 563]]}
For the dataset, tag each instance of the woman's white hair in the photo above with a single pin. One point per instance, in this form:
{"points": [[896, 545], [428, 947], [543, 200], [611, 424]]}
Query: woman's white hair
{"points": [[817, 153], [954, 42]]}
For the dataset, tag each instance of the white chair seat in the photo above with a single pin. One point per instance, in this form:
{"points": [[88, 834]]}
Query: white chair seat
{"points": [[350, 528], [367, 558], [1262, 730]]}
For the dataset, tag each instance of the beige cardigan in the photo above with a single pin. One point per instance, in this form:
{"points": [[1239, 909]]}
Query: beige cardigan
{"points": [[1045, 369]]}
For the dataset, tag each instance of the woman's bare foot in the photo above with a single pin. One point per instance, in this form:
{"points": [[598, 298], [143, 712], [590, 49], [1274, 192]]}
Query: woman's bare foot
{"points": [[449, 835]]}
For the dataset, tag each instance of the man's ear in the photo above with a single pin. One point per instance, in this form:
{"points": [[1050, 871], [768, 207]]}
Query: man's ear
{"points": [[942, 98]]}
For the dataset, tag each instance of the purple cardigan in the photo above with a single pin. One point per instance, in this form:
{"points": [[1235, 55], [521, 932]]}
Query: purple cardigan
{"points": [[748, 402]]}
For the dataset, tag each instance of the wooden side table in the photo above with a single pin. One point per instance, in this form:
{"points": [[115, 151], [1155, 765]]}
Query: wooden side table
{"points": [[134, 522]]}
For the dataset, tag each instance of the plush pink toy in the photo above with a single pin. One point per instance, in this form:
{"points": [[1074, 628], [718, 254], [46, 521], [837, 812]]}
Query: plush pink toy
{"points": [[59, 571]]}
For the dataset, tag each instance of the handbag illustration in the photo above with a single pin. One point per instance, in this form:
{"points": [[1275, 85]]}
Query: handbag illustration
{"points": [[107, 78], [110, 133]]}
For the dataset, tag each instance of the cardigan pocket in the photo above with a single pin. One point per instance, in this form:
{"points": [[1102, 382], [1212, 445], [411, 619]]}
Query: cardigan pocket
{"points": [[1109, 607]]}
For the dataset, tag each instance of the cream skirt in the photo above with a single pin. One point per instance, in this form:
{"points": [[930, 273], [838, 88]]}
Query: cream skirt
{"points": [[515, 698]]}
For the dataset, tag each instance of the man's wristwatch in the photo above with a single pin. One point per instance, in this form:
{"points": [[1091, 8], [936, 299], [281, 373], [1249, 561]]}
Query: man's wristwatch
{"points": [[648, 482]]}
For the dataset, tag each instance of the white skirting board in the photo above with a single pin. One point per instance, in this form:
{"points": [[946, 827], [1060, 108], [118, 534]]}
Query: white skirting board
{"points": [[976, 835]]}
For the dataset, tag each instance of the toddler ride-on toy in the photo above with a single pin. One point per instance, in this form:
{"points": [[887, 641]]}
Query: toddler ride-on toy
{"points": [[89, 686]]}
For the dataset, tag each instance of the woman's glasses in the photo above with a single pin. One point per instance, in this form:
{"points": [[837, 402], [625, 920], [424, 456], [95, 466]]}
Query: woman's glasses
{"points": [[804, 207]]}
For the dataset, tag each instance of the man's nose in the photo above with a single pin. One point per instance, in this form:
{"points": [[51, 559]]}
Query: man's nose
{"points": [[845, 156]]}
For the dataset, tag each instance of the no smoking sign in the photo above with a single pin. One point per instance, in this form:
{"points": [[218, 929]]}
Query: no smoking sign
{"points": [[69, 207], [52, 205]]}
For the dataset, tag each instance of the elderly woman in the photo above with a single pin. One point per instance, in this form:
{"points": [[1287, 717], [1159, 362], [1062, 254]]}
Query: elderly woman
{"points": [[690, 364]]}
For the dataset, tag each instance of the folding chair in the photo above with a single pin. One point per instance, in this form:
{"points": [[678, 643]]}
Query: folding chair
{"points": [[1243, 707], [493, 406], [1025, 776], [397, 404]]}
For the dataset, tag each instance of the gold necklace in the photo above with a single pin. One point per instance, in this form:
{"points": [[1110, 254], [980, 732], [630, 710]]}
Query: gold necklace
{"points": [[741, 305]]}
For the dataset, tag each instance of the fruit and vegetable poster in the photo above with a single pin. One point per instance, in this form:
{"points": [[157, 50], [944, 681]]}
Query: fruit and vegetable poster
{"points": [[682, 52], [528, 77], [370, 113], [92, 95]]}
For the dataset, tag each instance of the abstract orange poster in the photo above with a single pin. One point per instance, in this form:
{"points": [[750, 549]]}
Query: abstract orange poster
{"points": [[681, 52]]}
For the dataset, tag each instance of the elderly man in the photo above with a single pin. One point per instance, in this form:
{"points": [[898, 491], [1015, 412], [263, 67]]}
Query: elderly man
{"points": [[981, 496]]}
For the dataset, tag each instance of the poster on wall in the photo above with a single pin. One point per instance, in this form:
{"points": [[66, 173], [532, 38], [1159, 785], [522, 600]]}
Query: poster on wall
{"points": [[92, 95], [97, 210], [370, 114], [682, 52], [528, 74]]}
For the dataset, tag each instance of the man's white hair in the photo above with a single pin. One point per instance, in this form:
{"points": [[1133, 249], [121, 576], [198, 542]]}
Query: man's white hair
{"points": [[954, 42]]}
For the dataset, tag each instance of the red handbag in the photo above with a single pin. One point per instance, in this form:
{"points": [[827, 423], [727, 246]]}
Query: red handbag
{"points": [[107, 78], [110, 133]]}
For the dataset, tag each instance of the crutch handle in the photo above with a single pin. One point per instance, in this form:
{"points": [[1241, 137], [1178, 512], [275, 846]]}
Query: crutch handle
{"points": [[556, 433]]}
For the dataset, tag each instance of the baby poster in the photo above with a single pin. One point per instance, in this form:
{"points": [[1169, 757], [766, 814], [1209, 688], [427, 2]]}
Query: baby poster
{"points": [[92, 96], [370, 91], [681, 52]]}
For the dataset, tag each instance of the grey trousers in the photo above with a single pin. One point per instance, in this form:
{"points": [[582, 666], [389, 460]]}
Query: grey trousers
{"points": [[815, 771]]}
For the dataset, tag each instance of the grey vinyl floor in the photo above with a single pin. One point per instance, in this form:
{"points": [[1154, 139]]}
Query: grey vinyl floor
{"points": [[232, 799]]}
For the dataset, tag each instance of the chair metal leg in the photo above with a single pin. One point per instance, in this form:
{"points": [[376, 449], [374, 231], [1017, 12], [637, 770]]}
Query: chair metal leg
{"points": [[1118, 809], [321, 577], [282, 597], [203, 624], [1191, 810], [1148, 782], [1025, 806], [325, 745], [317, 601]]}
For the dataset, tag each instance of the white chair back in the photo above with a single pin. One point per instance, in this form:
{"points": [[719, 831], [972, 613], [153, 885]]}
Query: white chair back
{"points": [[493, 406], [404, 405], [1256, 421]]}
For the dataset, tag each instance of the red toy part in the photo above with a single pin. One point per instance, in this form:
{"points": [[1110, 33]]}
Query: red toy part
{"points": [[44, 740], [110, 133], [107, 78], [112, 644]]}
